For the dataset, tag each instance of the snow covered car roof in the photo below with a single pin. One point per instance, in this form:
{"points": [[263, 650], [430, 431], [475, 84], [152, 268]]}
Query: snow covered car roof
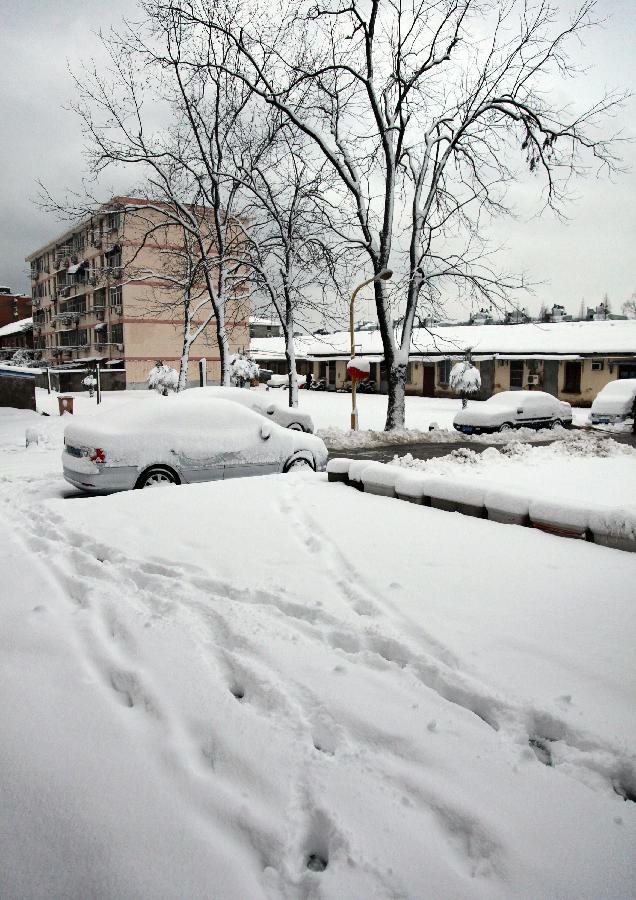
{"points": [[287, 417]]}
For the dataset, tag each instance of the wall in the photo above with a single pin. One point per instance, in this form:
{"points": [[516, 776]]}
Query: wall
{"points": [[17, 390]]}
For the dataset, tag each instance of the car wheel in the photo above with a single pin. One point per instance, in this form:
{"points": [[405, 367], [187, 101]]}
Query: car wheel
{"points": [[296, 426], [157, 476], [507, 426], [556, 424], [298, 464]]}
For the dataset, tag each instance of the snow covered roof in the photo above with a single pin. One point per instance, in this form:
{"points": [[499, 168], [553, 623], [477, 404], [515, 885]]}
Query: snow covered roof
{"points": [[261, 320], [529, 339], [16, 327]]}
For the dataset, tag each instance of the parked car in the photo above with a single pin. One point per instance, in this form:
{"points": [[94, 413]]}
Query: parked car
{"points": [[181, 440], [260, 403], [613, 403], [513, 409], [282, 381]]}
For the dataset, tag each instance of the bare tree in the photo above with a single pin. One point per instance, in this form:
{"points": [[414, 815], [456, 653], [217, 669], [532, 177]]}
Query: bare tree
{"points": [[418, 108], [179, 166], [291, 261]]}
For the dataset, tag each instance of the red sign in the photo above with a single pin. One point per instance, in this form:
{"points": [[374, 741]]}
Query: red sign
{"points": [[358, 368]]}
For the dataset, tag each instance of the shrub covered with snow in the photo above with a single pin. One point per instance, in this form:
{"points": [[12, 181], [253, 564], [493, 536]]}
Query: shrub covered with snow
{"points": [[242, 370], [465, 379], [163, 379]]}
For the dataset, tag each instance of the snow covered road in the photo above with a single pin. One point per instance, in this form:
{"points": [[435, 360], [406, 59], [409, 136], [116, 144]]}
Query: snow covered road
{"points": [[282, 688]]}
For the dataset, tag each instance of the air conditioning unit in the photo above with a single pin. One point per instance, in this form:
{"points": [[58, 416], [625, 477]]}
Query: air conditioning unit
{"points": [[119, 310], [99, 313], [533, 379], [36, 302], [120, 347]]}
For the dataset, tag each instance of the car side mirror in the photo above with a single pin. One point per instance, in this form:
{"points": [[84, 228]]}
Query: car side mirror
{"points": [[519, 410], [265, 431], [271, 409]]}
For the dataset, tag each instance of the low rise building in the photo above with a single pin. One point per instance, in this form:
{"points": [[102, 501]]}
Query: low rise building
{"points": [[13, 307], [571, 360], [16, 336], [100, 294]]}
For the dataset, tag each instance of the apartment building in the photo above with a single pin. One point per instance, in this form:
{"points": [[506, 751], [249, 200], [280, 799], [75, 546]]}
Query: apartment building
{"points": [[100, 294]]}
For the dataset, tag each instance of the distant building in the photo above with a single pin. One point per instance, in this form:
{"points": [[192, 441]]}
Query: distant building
{"points": [[13, 306], [571, 360], [261, 327], [557, 314], [483, 317], [601, 313], [88, 309], [16, 336], [516, 317]]}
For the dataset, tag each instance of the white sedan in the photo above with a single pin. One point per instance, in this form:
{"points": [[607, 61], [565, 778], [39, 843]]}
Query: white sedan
{"points": [[289, 417], [513, 409], [613, 404], [178, 440]]}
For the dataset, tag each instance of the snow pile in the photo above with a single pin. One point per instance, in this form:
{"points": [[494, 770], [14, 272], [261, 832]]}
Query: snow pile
{"points": [[344, 439]]}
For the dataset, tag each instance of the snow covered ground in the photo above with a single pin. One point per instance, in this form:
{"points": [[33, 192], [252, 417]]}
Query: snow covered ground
{"points": [[283, 688]]}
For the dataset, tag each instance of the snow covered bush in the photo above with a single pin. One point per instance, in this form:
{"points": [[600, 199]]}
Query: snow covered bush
{"points": [[465, 379], [21, 357], [242, 370], [90, 381], [163, 379]]}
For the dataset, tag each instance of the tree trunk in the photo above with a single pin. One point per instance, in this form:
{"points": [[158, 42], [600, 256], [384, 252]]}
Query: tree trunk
{"points": [[224, 346], [290, 356], [183, 366], [395, 414]]}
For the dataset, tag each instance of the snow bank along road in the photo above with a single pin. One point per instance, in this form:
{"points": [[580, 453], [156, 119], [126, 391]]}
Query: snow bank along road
{"points": [[282, 688]]}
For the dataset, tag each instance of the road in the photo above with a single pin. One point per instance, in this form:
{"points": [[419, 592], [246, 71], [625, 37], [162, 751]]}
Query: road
{"points": [[430, 450]]}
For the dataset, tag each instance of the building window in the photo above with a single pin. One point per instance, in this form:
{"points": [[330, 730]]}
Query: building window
{"points": [[117, 334], [112, 222], [115, 296], [516, 374], [572, 378], [597, 366], [443, 371]]}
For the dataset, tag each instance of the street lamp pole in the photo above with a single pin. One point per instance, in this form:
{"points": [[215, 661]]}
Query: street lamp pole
{"points": [[384, 275]]}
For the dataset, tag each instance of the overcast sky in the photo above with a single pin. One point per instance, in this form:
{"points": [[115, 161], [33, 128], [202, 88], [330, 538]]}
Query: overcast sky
{"points": [[593, 253]]}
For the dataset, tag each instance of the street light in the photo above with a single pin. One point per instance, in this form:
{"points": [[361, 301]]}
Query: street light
{"points": [[384, 275]]}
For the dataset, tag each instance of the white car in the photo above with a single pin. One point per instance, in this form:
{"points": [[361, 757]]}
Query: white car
{"points": [[256, 400], [513, 409], [614, 402], [178, 440]]}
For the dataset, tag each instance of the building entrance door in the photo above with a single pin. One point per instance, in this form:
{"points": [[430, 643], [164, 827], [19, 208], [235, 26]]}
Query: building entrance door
{"points": [[551, 376], [428, 384]]}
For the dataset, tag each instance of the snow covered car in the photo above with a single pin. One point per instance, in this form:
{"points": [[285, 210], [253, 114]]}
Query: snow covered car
{"points": [[180, 440], [256, 400], [282, 381], [613, 404], [513, 409]]}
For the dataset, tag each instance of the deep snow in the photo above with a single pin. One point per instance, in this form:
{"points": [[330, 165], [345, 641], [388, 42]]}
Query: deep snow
{"points": [[213, 690]]}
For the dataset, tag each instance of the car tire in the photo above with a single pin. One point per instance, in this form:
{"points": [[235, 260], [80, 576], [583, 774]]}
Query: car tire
{"points": [[298, 463], [556, 423], [296, 426], [157, 476], [505, 426]]}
